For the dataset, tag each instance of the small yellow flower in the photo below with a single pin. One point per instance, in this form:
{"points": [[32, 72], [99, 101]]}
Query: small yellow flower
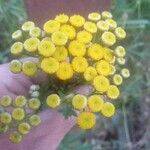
{"points": [[108, 38], [65, 71], [60, 53], [113, 69], [77, 20], [106, 15], [125, 72], [113, 92], [51, 26], [120, 33], [17, 35], [96, 51], [112, 24], [16, 48], [120, 51], [59, 38], [102, 25], [15, 137], [24, 128], [35, 32], [15, 66], [84, 37], [18, 114], [46, 48], [31, 44], [34, 103], [108, 109], [29, 68], [77, 48], [90, 73], [79, 64], [20, 101], [5, 101], [27, 26], [121, 61], [86, 120], [53, 100], [5, 118], [62, 18], [95, 103], [117, 79], [69, 31], [50, 65], [103, 67], [35, 120], [109, 55], [79, 101], [94, 16], [90, 27], [101, 83]]}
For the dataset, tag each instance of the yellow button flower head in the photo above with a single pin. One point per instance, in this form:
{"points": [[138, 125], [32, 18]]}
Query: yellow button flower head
{"points": [[108, 109], [86, 120], [17, 35], [108, 38], [16, 48], [121, 61], [15, 137], [120, 33], [79, 64], [77, 48], [5, 101], [90, 73], [103, 67], [109, 55], [84, 37], [103, 26], [96, 51], [34, 103], [59, 38], [125, 72], [50, 65], [60, 53], [34, 120], [46, 48], [101, 83], [106, 15], [79, 101], [77, 20], [65, 71], [15, 66], [120, 51], [24, 128], [112, 24], [29, 68], [94, 16], [51, 26], [113, 92], [53, 100], [62, 18], [35, 32], [28, 25], [31, 44], [90, 27], [69, 31], [18, 114], [20, 101], [95, 103], [117, 79], [5, 118]]}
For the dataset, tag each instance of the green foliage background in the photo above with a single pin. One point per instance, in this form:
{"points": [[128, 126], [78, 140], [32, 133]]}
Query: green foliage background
{"points": [[129, 129]]}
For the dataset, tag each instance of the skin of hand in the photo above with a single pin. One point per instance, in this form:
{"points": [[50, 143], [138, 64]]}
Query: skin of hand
{"points": [[53, 128]]}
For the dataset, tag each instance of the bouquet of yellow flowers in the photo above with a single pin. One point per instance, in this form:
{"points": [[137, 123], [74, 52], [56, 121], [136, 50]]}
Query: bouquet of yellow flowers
{"points": [[72, 51]]}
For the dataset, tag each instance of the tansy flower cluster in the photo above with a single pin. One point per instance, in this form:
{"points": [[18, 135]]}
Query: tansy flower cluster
{"points": [[73, 51]]}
